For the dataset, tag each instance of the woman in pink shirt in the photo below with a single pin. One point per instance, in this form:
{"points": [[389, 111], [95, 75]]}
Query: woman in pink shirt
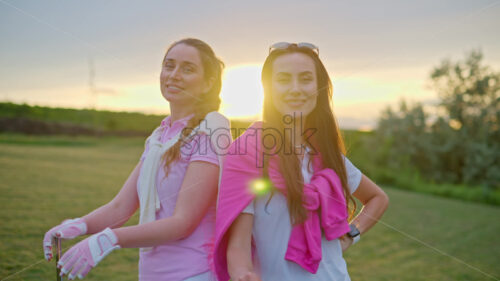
{"points": [[174, 184], [286, 196]]}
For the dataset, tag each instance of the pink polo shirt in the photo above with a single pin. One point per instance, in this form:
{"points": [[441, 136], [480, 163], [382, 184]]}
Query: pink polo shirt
{"points": [[181, 259]]}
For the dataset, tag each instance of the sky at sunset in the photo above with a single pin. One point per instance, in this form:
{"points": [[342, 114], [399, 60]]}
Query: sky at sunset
{"points": [[53, 53]]}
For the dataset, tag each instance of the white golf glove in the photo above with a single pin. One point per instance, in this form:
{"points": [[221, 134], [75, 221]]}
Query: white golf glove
{"points": [[85, 255], [68, 229]]}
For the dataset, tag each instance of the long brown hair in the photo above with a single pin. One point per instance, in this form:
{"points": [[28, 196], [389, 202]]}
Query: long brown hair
{"points": [[208, 102], [326, 140]]}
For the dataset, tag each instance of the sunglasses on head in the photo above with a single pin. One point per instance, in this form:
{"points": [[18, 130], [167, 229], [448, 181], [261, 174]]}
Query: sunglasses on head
{"points": [[286, 45]]}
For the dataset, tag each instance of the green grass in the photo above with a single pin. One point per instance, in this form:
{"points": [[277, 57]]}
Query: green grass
{"points": [[421, 236], [44, 180]]}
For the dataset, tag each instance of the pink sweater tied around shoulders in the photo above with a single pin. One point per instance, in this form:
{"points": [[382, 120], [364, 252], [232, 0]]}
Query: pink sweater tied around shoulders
{"points": [[323, 199]]}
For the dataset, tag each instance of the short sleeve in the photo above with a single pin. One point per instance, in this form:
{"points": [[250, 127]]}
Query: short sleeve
{"points": [[250, 209], [202, 150], [353, 175]]}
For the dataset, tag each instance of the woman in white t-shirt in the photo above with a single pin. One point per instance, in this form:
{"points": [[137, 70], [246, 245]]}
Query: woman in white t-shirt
{"points": [[286, 196]]}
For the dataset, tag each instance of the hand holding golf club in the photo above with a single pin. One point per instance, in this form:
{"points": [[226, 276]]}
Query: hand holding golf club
{"points": [[86, 254], [68, 229]]}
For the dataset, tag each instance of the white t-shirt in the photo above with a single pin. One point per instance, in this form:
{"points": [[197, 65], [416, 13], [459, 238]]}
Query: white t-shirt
{"points": [[272, 229]]}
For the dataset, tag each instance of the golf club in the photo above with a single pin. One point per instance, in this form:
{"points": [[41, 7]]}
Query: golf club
{"points": [[57, 243]]}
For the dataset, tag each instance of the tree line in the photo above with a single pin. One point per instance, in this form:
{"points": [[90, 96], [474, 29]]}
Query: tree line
{"points": [[456, 140]]}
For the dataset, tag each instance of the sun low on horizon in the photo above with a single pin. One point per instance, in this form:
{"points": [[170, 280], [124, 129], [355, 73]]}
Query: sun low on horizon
{"points": [[242, 94]]}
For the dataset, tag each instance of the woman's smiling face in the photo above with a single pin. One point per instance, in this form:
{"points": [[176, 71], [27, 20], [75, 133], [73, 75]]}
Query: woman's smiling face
{"points": [[182, 75], [294, 84]]}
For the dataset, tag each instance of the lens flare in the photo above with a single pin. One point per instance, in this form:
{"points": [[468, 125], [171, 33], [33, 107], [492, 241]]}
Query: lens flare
{"points": [[260, 186]]}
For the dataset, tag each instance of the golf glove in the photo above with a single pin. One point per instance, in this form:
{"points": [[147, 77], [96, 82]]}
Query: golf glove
{"points": [[86, 254], [68, 229]]}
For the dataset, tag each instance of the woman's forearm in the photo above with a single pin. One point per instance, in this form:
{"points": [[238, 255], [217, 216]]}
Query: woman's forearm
{"points": [[239, 249], [238, 262], [153, 233], [111, 215], [371, 212]]}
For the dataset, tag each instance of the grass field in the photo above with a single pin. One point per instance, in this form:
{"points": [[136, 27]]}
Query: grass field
{"points": [[44, 180]]}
